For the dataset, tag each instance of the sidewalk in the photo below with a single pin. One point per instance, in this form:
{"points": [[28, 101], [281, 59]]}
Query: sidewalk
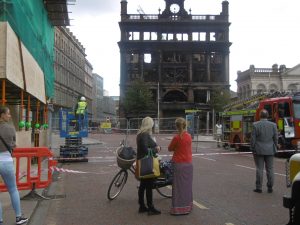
{"points": [[28, 206]]}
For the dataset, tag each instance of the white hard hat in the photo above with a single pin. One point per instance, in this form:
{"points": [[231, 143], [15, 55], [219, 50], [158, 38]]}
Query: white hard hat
{"points": [[82, 98]]}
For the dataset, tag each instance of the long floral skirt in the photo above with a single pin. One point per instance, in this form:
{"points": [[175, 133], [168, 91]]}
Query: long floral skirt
{"points": [[182, 192]]}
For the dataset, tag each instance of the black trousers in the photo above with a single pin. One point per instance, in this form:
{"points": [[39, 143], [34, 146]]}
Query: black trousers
{"points": [[146, 185]]}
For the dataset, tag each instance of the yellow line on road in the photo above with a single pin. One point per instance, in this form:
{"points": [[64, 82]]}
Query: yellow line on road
{"points": [[200, 206]]}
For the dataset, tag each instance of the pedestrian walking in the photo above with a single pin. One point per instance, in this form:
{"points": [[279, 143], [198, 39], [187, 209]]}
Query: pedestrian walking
{"points": [[144, 141], [219, 132], [7, 143], [264, 140], [182, 193]]}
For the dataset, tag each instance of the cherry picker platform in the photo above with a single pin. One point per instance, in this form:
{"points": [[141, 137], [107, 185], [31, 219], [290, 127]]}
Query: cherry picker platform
{"points": [[73, 129]]}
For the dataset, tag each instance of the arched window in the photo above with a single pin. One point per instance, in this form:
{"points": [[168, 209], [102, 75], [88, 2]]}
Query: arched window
{"points": [[261, 88], [175, 96], [273, 87], [292, 87]]}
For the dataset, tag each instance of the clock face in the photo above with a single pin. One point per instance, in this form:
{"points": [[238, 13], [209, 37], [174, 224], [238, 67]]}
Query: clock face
{"points": [[174, 8]]}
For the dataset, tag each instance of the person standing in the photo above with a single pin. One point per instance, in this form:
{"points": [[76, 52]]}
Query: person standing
{"points": [[144, 141], [219, 133], [264, 140], [182, 193], [7, 142], [80, 112]]}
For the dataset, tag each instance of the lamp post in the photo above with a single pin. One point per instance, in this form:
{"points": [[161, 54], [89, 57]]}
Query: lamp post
{"points": [[158, 107]]}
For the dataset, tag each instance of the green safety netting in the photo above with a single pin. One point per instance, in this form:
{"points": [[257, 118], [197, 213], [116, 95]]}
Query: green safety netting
{"points": [[29, 20]]}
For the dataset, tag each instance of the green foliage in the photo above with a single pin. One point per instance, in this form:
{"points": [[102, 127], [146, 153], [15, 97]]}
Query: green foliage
{"points": [[219, 98], [138, 98]]}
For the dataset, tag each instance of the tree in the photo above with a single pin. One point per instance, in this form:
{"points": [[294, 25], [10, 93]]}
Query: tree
{"points": [[219, 98], [138, 99]]}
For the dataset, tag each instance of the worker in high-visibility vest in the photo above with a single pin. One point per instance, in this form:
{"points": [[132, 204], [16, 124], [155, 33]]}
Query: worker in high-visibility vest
{"points": [[80, 111]]}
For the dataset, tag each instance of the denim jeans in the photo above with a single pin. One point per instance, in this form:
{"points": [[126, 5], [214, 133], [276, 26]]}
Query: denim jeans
{"points": [[7, 173]]}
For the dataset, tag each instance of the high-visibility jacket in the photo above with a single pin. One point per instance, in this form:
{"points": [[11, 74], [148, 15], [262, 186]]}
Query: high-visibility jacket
{"points": [[81, 106]]}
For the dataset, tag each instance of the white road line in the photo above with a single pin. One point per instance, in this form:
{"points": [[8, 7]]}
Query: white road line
{"points": [[251, 168], [229, 224], [206, 158], [200, 206]]}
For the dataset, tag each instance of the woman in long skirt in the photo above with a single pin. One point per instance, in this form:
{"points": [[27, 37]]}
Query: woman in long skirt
{"points": [[182, 192]]}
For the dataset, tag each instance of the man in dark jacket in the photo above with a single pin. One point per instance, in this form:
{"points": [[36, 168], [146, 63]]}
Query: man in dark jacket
{"points": [[264, 141]]}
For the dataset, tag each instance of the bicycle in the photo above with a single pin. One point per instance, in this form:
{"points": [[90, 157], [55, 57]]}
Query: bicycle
{"points": [[161, 185]]}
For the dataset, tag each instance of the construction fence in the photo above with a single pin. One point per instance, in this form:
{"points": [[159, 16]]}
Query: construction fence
{"points": [[131, 126]]}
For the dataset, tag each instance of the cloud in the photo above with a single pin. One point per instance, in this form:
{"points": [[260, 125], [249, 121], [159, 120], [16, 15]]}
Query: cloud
{"points": [[94, 7]]}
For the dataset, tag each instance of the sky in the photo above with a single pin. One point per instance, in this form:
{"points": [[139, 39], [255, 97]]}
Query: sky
{"points": [[262, 32]]}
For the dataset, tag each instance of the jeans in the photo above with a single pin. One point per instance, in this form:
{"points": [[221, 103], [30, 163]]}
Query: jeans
{"points": [[7, 173]]}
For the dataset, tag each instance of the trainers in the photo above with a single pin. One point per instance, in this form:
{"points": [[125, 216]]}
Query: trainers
{"points": [[143, 209], [153, 211], [270, 190], [21, 220], [257, 190]]}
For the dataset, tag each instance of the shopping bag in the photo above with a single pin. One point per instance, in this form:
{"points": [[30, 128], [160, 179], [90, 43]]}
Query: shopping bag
{"points": [[147, 167]]}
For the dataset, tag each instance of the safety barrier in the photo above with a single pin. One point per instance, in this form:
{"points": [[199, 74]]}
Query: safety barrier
{"points": [[34, 175]]}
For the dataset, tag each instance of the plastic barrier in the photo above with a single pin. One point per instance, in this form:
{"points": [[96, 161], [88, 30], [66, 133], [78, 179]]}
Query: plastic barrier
{"points": [[34, 175]]}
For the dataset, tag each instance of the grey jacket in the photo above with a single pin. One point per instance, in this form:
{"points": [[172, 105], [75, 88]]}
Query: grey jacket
{"points": [[264, 138], [8, 133]]}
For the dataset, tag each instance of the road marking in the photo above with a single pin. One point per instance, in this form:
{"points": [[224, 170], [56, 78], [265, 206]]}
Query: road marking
{"points": [[206, 158], [229, 224], [251, 168], [200, 206]]}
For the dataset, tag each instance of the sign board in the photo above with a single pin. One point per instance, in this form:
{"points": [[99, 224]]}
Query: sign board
{"points": [[106, 125], [192, 110]]}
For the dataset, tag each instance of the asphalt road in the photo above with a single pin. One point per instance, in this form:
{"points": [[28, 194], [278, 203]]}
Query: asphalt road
{"points": [[222, 190]]}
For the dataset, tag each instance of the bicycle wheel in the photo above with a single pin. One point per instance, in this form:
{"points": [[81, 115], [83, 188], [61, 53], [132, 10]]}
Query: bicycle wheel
{"points": [[163, 189], [117, 184]]}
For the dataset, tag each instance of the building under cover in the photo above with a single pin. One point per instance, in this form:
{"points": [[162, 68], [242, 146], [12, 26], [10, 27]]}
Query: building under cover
{"points": [[26, 56]]}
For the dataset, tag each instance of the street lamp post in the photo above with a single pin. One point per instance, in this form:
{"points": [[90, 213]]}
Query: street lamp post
{"points": [[158, 107]]}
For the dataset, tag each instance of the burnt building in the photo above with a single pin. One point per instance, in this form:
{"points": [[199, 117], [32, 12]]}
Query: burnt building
{"points": [[182, 57]]}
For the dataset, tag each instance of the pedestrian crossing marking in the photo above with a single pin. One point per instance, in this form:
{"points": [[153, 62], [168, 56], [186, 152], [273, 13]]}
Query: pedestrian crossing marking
{"points": [[200, 206]]}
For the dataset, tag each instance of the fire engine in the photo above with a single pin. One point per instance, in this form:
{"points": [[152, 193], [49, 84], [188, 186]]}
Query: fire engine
{"points": [[283, 109]]}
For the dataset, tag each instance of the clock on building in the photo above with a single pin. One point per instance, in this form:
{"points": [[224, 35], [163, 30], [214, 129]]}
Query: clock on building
{"points": [[174, 8]]}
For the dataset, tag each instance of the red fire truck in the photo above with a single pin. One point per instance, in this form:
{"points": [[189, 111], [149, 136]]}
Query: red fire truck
{"points": [[284, 111]]}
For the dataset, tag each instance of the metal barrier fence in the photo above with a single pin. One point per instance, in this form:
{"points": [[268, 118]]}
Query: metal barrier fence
{"points": [[123, 125]]}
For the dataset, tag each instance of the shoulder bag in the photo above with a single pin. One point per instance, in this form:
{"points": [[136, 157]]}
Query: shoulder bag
{"points": [[147, 167]]}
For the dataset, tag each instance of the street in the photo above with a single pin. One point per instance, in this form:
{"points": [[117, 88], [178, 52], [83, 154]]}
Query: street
{"points": [[222, 190]]}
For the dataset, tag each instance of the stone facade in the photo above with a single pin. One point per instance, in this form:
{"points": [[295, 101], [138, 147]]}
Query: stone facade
{"points": [[182, 57], [257, 80], [73, 72]]}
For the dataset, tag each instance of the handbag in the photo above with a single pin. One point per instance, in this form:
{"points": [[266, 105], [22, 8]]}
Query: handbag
{"points": [[147, 167]]}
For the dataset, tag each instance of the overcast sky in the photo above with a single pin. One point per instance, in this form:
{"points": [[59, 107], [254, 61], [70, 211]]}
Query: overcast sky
{"points": [[262, 32]]}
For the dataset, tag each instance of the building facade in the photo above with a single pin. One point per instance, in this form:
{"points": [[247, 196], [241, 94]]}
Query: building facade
{"points": [[182, 57], [109, 106], [257, 80], [97, 105], [73, 72], [26, 63]]}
